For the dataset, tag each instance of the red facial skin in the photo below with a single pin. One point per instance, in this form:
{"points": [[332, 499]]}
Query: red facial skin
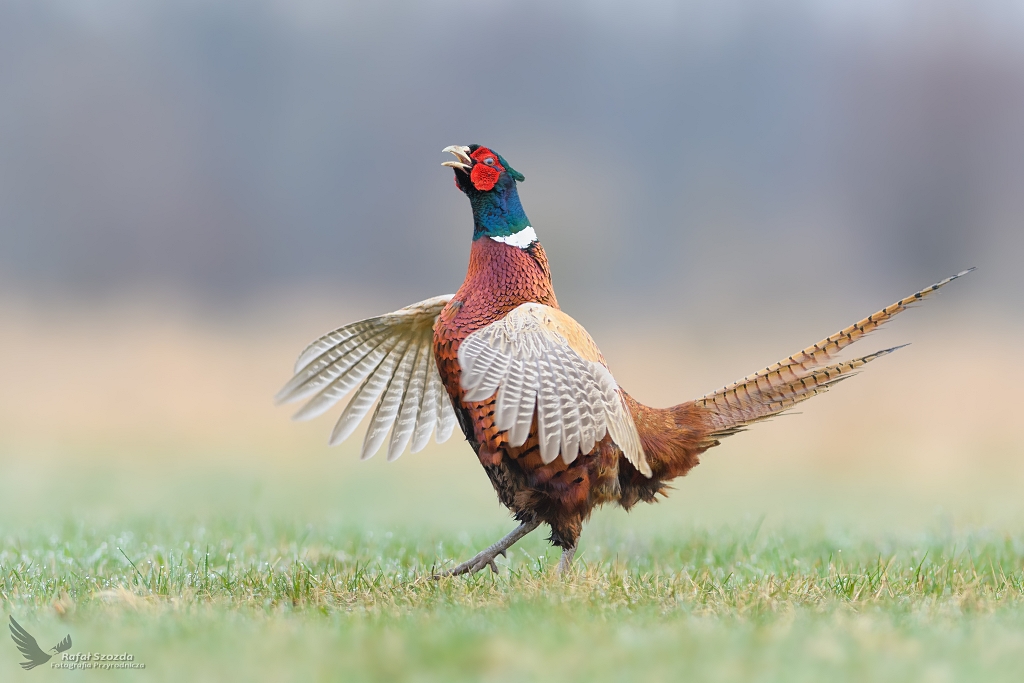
{"points": [[485, 176]]}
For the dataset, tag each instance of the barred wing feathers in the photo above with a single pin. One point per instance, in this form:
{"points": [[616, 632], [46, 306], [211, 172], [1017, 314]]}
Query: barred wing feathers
{"points": [[391, 359], [538, 360], [799, 377]]}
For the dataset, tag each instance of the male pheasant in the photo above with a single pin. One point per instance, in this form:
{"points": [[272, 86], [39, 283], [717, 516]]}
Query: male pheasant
{"points": [[528, 386]]}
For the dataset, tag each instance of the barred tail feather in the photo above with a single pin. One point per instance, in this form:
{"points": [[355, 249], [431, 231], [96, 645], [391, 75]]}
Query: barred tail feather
{"points": [[749, 402], [797, 378]]}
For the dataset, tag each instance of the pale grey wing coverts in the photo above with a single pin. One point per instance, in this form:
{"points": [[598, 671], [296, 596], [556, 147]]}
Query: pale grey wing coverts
{"points": [[538, 359], [392, 357]]}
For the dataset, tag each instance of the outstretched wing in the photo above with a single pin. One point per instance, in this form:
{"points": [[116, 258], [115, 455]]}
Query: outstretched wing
{"points": [[540, 361], [63, 645], [28, 646], [392, 355]]}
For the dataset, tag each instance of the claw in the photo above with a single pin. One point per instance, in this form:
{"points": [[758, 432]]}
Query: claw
{"points": [[493, 566]]}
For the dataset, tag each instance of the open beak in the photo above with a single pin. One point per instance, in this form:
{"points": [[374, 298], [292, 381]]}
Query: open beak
{"points": [[463, 162]]}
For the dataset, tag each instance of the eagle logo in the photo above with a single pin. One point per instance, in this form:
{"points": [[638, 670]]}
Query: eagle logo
{"points": [[30, 648]]}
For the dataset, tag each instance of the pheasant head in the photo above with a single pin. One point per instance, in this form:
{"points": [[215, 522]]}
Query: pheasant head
{"points": [[490, 183]]}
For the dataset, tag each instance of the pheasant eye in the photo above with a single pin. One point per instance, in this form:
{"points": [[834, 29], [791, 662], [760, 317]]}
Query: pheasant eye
{"points": [[489, 161]]}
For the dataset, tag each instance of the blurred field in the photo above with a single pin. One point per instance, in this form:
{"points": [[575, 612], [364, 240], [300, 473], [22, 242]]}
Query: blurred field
{"points": [[152, 391], [877, 535]]}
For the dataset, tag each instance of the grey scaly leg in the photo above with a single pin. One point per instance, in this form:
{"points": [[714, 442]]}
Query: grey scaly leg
{"points": [[565, 564], [487, 557]]}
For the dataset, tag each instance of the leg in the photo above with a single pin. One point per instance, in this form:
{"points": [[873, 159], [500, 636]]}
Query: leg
{"points": [[565, 534], [486, 558], [565, 564]]}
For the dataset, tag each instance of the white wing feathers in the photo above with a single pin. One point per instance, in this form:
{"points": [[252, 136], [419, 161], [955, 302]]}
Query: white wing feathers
{"points": [[392, 355], [539, 359]]}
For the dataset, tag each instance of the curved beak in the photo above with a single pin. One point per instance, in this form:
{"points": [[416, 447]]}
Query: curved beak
{"points": [[463, 162]]}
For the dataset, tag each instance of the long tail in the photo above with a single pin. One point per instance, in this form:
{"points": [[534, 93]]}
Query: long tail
{"points": [[781, 386]]}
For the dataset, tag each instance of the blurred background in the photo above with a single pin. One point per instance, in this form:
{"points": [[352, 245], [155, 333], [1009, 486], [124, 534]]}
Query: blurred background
{"points": [[191, 190]]}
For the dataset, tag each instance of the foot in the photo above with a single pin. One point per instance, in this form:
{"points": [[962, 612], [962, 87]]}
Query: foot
{"points": [[482, 559], [565, 564], [486, 558]]}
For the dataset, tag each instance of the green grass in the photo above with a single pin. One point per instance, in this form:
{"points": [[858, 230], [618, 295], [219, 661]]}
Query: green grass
{"points": [[319, 569], [249, 599]]}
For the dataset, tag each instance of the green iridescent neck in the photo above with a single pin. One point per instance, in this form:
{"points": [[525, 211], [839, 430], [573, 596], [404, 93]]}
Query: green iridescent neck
{"points": [[498, 213]]}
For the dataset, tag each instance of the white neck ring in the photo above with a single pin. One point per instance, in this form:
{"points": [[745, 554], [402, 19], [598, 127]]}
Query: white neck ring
{"points": [[521, 239]]}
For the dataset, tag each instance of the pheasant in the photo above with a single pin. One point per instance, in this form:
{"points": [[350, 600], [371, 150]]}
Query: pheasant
{"points": [[528, 386]]}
